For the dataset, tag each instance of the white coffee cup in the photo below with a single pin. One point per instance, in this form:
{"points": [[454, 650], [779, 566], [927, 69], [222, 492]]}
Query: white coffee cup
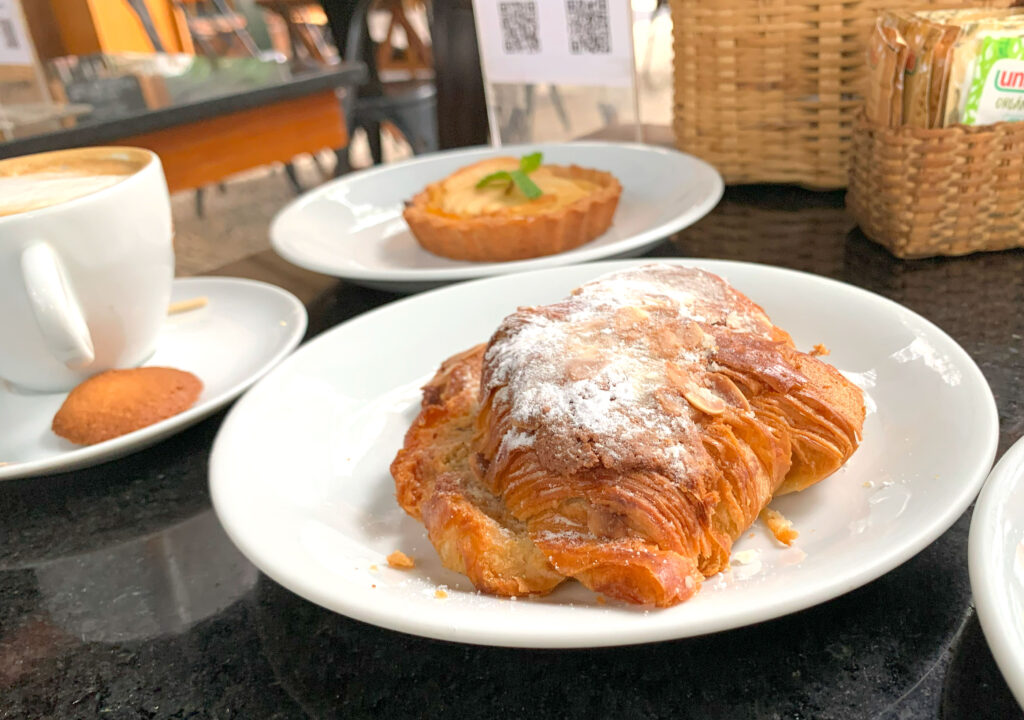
{"points": [[86, 264]]}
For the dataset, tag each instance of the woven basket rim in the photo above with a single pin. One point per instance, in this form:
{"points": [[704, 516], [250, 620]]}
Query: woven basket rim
{"points": [[958, 129]]}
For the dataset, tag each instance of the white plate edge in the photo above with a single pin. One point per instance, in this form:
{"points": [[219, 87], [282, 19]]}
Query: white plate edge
{"points": [[850, 581], [144, 437], [987, 583], [579, 255]]}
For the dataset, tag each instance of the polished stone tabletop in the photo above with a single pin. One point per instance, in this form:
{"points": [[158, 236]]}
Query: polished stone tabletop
{"points": [[121, 597]]}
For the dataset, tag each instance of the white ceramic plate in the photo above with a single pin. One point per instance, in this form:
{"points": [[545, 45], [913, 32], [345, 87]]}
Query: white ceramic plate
{"points": [[245, 329], [996, 559], [353, 228], [299, 472]]}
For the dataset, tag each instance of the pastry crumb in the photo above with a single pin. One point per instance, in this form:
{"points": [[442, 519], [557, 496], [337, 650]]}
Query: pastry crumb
{"points": [[400, 560], [744, 557], [819, 350], [186, 305], [601, 600], [868, 484], [373, 568], [440, 594], [781, 528]]}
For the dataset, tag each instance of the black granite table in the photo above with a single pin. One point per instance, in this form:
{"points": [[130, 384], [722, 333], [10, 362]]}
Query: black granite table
{"points": [[121, 597]]}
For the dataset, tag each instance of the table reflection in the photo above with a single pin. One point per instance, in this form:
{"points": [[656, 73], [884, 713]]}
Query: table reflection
{"points": [[101, 87]]}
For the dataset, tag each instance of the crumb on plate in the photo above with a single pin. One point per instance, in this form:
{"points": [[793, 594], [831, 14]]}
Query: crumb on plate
{"points": [[744, 557], [400, 560], [186, 305], [781, 528]]}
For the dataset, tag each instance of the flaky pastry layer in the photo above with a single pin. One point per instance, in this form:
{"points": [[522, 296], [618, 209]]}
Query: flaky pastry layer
{"points": [[624, 437]]}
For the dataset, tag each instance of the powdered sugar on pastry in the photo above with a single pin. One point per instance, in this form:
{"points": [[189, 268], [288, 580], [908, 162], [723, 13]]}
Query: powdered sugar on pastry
{"points": [[587, 382], [623, 437]]}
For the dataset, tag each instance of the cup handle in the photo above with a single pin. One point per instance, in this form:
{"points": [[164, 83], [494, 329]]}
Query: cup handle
{"points": [[56, 310]]}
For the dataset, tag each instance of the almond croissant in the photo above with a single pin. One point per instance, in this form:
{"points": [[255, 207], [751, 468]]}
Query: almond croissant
{"points": [[624, 437]]}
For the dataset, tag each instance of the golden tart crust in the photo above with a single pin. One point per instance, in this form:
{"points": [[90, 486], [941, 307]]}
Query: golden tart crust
{"points": [[485, 228]]}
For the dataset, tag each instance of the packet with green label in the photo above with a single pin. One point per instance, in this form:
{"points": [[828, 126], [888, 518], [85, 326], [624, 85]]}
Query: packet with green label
{"points": [[976, 38], [995, 90]]}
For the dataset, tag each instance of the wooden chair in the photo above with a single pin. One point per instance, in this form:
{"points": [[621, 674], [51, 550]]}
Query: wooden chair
{"points": [[216, 28], [413, 60], [306, 24], [408, 105]]}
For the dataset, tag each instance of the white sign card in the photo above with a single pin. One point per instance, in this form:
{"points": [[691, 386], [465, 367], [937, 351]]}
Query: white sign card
{"points": [[563, 42], [15, 48]]}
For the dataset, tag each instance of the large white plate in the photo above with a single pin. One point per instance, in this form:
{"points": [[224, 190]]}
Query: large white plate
{"points": [[299, 472], [245, 329], [996, 560], [353, 228]]}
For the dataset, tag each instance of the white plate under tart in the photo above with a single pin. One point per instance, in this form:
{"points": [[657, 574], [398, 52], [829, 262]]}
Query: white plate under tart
{"points": [[352, 227]]}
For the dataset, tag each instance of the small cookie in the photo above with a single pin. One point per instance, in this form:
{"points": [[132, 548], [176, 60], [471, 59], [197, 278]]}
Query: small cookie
{"points": [[116, 402]]}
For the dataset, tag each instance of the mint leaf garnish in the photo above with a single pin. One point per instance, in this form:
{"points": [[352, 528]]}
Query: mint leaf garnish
{"points": [[527, 186], [529, 163], [518, 178], [500, 176]]}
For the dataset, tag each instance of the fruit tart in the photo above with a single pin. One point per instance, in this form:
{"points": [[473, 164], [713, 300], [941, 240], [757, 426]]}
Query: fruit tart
{"points": [[506, 208]]}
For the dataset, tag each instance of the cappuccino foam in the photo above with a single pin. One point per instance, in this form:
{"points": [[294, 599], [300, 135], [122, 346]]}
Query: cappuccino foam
{"points": [[31, 191]]}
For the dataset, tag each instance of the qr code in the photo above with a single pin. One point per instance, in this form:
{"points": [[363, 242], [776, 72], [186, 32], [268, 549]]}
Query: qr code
{"points": [[589, 32], [519, 30]]}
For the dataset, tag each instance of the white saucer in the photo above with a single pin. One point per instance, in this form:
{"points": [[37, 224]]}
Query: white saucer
{"points": [[245, 329], [995, 556], [352, 227], [299, 470]]}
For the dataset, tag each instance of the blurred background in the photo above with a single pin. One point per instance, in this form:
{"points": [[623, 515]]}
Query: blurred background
{"points": [[249, 102]]}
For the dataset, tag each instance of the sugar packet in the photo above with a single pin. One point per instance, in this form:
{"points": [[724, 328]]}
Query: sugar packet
{"points": [[995, 91]]}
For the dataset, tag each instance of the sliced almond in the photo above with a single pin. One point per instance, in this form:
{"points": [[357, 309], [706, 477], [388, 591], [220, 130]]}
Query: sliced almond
{"points": [[727, 389], [704, 400]]}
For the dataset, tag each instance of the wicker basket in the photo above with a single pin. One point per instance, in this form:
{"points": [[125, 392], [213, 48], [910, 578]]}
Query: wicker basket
{"points": [[947, 191], [769, 90]]}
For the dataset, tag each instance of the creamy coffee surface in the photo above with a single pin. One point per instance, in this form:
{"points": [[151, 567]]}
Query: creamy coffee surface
{"points": [[31, 191]]}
